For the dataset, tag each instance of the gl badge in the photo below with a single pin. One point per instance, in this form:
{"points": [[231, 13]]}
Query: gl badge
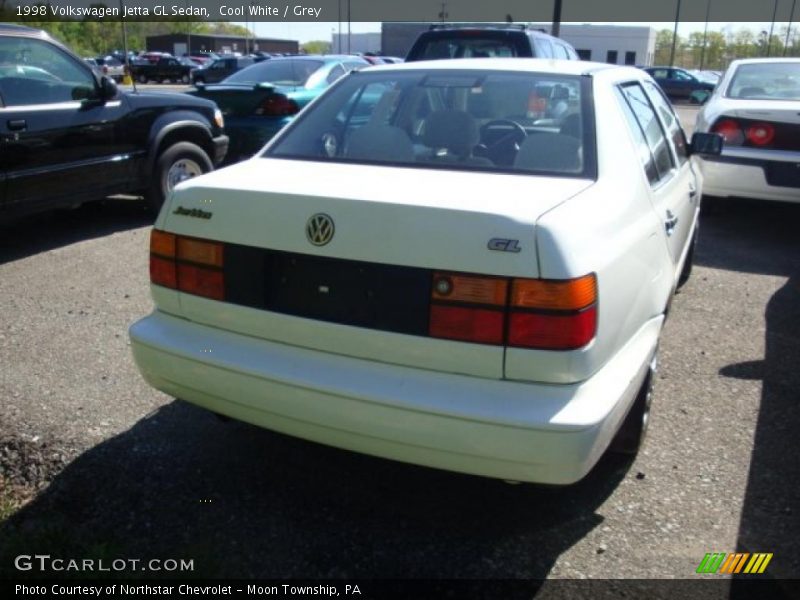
{"points": [[319, 229]]}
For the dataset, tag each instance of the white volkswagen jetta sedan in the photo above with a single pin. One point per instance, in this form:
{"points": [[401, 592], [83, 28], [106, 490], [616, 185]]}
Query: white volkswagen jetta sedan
{"points": [[756, 108], [425, 266]]}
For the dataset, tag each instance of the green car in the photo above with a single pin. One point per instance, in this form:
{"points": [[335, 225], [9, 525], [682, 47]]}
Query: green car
{"points": [[260, 99]]}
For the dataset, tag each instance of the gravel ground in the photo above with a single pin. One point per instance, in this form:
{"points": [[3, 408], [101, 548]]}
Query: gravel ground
{"points": [[95, 463]]}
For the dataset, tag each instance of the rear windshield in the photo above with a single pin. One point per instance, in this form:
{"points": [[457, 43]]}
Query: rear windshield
{"points": [[465, 46], [766, 81], [280, 72], [457, 119]]}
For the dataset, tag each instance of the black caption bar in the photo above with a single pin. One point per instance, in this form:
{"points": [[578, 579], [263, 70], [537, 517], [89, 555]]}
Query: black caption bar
{"points": [[394, 10]]}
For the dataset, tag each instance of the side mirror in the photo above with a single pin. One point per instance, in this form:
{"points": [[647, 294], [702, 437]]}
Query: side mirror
{"points": [[108, 88], [706, 143]]}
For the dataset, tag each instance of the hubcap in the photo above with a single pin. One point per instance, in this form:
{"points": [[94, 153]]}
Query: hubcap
{"points": [[182, 170]]}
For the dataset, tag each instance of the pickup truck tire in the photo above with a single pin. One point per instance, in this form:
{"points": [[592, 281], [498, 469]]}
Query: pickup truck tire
{"points": [[185, 79], [631, 434], [142, 79], [176, 163]]}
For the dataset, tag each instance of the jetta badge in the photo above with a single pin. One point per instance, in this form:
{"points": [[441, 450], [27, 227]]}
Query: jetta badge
{"points": [[320, 229]]}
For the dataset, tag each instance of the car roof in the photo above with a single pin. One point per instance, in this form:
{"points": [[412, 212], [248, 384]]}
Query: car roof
{"points": [[764, 59], [539, 65]]}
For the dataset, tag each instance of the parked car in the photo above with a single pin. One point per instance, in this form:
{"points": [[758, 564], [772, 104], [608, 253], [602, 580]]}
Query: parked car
{"points": [[679, 83], [220, 68], [495, 41], [111, 66], [161, 70], [756, 108], [259, 100], [381, 280], [68, 135]]}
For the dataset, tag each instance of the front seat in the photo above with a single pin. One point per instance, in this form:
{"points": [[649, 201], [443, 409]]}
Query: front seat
{"points": [[553, 152], [451, 135]]}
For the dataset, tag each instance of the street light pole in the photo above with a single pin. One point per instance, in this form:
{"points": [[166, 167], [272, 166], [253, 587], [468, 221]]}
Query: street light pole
{"points": [[555, 29]]}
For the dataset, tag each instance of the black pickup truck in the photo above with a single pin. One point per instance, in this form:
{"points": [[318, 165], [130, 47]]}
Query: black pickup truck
{"points": [[165, 68], [68, 135]]}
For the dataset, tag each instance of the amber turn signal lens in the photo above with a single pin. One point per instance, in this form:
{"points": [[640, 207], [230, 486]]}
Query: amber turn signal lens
{"points": [[570, 294], [162, 243], [200, 251], [462, 288]]}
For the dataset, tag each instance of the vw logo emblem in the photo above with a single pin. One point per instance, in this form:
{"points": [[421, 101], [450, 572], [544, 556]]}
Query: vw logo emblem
{"points": [[319, 229]]}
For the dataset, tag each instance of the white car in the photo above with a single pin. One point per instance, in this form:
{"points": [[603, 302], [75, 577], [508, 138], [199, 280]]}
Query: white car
{"points": [[422, 268], [756, 108]]}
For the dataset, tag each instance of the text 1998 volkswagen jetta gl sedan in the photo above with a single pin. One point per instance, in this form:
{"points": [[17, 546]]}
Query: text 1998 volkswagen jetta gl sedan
{"points": [[427, 267]]}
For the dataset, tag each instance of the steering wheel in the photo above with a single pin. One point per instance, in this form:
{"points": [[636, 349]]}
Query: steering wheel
{"points": [[501, 138]]}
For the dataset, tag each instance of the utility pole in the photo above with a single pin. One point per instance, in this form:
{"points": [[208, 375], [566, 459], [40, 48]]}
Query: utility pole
{"points": [[705, 35], [443, 13], [788, 29], [675, 35], [772, 26], [555, 30]]}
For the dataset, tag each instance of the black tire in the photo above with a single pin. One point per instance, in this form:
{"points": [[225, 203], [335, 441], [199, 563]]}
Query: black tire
{"points": [[631, 435], [142, 79], [199, 80], [185, 79], [182, 156], [686, 271]]}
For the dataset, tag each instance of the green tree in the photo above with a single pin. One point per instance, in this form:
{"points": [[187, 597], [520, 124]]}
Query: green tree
{"points": [[316, 47]]}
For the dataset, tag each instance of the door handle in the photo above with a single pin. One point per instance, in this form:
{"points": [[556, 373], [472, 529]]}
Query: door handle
{"points": [[17, 124], [670, 223]]}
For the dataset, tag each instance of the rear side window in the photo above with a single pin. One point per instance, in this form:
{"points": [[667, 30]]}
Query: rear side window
{"points": [[642, 147], [544, 49], [669, 119], [651, 127]]}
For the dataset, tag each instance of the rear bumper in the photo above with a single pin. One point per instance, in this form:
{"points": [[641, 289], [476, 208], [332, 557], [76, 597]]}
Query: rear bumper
{"points": [[509, 430], [250, 134], [747, 174]]}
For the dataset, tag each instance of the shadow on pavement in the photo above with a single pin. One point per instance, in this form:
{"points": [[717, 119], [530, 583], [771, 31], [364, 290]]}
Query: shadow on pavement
{"points": [[735, 233], [58, 228], [245, 502], [770, 520]]}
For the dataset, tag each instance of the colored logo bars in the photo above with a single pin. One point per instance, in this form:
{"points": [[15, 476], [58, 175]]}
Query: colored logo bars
{"points": [[719, 562]]}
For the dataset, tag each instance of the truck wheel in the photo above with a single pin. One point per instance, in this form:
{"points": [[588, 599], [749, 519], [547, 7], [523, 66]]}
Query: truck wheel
{"points": [[177, 163], [185, 79], [142, 79], [631, 434]]}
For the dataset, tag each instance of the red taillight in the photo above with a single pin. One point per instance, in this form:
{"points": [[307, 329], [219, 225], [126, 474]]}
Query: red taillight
{"points": [[730, 130], [478, 325], [552, 331], [277, 105], [187, 264], [523, 313], [760, 134]]}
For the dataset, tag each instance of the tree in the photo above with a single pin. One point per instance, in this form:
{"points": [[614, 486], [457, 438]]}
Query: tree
{"points": [[316, 47]]}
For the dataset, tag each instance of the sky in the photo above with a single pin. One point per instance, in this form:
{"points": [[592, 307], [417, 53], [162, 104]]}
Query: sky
{"points": [[306, 32]]}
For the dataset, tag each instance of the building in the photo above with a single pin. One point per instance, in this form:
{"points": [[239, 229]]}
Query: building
{"points": [[616, 44], [179, 44], [360, 43]]}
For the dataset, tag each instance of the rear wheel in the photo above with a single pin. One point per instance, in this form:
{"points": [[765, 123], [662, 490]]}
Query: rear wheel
{"points": [[177, 163], [631, 434]]}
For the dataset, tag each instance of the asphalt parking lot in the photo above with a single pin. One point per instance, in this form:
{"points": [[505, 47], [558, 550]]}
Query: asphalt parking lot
{"points": [[93, 462]]}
